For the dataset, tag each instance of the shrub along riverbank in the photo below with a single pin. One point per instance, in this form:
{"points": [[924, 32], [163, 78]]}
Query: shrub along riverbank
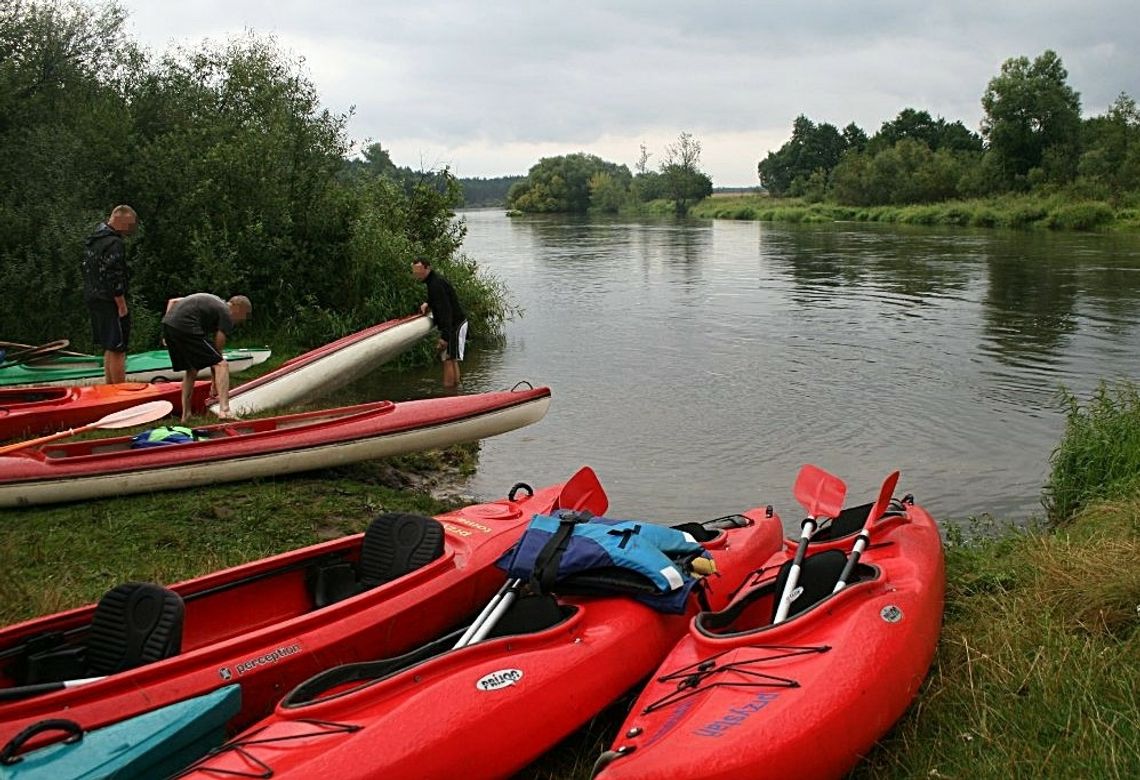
{"points": [[1036, 673], [1056, 212]]}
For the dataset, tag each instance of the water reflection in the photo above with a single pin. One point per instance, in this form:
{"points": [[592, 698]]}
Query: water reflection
{"points": [[696, 365]]}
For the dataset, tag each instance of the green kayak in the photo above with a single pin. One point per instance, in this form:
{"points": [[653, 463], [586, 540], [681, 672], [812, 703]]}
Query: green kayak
{"points": [[151, 366], [155, 744]]}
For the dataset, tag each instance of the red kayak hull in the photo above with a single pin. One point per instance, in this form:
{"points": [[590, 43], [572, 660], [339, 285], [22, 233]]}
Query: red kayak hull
{"points": [[857, 657], [30, 411], [255, 624], [489, 709], [261, 447]]}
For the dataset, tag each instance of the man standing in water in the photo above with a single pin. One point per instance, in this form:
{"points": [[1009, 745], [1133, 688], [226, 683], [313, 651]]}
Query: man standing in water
{"points": [[187, 327], [443, 305], [105, 280]]}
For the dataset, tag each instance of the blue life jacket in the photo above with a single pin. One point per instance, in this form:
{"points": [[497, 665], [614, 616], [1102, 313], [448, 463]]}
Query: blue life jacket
{"points": [[566, 548], [166, 434]]}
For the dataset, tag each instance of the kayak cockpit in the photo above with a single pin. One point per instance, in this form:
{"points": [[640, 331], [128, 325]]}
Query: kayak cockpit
{"points": [[137, 624], [755, 609]]}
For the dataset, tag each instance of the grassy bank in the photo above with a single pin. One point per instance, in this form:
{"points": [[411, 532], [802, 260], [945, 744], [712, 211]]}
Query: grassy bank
{"points": [[1009, 211]]}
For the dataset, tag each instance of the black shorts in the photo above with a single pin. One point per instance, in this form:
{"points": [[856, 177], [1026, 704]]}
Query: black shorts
{"points": [[189, 352], [456, 342], [108, 329]]}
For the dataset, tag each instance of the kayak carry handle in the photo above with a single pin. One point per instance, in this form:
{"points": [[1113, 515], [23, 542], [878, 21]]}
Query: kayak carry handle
{"points": [[74, 734], [517, 487]]}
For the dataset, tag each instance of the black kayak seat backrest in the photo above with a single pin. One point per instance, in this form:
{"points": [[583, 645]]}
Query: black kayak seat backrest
{"points": [[817, 577], [134, 624], [397, 543], [850, 520], [697, 531]]}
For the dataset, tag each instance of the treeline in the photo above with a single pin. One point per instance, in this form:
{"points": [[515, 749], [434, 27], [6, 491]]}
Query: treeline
{"points": [[239, 177], [479, 192], [1032, 139], [580, 183]]}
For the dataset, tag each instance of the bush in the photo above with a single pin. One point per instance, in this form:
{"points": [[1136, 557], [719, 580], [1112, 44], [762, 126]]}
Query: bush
{"points": [[1088, 215], [1099, 454]]}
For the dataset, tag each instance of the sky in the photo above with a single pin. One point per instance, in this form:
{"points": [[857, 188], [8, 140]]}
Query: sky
{"points": [[488, 88]]}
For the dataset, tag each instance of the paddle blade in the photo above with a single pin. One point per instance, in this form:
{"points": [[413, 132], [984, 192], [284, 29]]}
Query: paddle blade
{"points": [[136, 415], [884, 499], [584, 491], [820, 493]]}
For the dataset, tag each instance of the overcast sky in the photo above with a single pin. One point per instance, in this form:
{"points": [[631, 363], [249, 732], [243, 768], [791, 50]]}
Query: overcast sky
{"points": [[489, 87]]}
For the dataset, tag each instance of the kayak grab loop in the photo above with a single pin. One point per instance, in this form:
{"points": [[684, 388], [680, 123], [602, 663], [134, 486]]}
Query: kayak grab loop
{"points": [[259, 768], [73, 730], [526, 385], [517, 487], [690, 678]]}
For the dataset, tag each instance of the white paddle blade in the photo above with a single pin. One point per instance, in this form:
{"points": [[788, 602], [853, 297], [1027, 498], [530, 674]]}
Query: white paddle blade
{"points": [[136, 415]]}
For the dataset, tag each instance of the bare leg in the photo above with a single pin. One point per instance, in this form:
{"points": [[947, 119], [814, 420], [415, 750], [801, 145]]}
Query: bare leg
{"points": [[222, 382], [450, 373], [188, 393], [114, 367]]}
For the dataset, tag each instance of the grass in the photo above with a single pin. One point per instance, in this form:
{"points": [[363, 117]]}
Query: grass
{"points": [[1053, 212]]}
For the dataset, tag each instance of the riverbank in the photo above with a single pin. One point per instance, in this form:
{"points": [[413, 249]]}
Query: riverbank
{"points": [[1057, 212]]}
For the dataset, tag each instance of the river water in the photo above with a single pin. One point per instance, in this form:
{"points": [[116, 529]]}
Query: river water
{"points": [[697, 365]]}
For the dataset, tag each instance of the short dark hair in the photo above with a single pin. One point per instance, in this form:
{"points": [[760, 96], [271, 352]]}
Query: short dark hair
{"points": [[422, 261]]}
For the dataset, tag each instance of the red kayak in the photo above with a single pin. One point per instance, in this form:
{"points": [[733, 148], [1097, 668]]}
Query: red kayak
{"points": [[486, 709], [262, 447], [29, 411], [745, 696], [269, 624]]}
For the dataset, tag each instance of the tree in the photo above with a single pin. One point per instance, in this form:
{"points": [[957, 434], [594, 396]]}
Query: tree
{"points": [[811, 148], [1111, 148], [683, 181], [562, 184], [1032, 119]]}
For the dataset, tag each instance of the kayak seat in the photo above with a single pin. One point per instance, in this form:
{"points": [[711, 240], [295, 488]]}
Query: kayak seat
{"points": [[395, 544], [851, 520], [134, 624]]}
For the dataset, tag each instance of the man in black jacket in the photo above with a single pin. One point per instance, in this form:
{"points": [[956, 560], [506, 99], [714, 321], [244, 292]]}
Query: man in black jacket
{"points": [[105, 281], [443, 305]]}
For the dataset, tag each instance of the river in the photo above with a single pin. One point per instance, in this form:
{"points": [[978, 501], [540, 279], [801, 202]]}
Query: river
{"points": [[697, 364]]}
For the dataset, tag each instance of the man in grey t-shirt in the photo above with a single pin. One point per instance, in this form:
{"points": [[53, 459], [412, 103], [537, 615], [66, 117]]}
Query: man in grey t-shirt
{"points": [[195, 329]]}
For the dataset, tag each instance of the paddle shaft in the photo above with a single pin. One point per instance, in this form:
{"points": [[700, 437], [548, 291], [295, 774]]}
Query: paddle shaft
{"points": [[24, 691], [45, 439], [786, 598], [483, 615]]}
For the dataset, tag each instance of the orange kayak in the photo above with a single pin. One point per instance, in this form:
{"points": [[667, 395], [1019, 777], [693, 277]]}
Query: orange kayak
{"points": [[30, 411]]}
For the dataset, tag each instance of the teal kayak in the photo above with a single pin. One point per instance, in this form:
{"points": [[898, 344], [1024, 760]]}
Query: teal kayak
{"points": [[156, 744], [153, 366]]}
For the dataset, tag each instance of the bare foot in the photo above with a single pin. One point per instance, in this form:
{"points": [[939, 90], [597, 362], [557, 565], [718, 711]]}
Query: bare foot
{"points": [[227, 415]]}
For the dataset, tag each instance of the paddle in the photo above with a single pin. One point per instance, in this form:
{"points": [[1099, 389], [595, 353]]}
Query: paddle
{"points": [[15, 345], [864, 537], [821, 494], [124, 418], [23, 691], [30, 354]]}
